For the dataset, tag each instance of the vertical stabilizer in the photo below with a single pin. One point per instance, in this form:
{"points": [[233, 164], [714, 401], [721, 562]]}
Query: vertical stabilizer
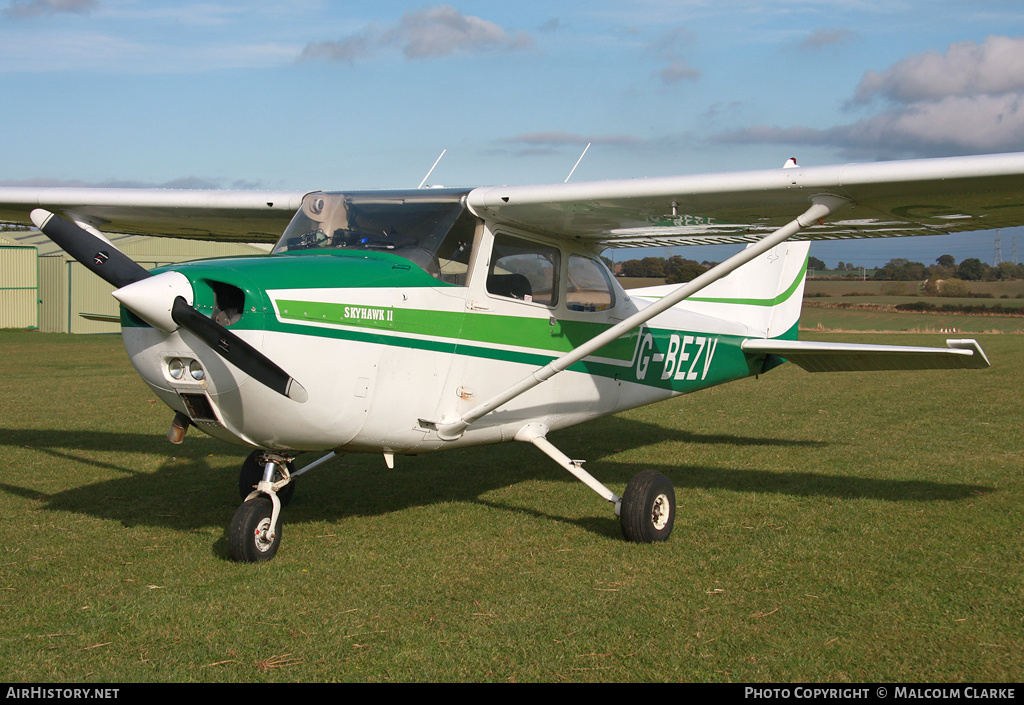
{"points": [[765, 295]]}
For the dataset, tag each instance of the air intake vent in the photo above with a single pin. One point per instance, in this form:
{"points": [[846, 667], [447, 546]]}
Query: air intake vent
{"points": [[199, 408], [229, 303]]}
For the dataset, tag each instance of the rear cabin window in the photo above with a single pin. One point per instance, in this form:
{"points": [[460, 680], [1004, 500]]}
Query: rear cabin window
{"points": [[523, 270], [588, 287]]}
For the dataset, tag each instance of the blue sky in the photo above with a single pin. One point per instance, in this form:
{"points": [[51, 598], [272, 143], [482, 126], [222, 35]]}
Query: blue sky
{"points": [[318, 95]]}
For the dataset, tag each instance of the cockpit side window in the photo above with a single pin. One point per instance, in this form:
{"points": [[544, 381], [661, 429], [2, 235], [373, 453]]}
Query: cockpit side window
{"points": [[452, 256], [525, 270]]}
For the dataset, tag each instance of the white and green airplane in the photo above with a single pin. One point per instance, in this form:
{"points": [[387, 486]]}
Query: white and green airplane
{"points": [[413, 321]]}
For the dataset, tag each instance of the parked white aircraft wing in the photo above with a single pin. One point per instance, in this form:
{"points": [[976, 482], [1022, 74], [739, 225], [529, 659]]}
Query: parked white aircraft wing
{"points": [[888, 199], [246, 216]]}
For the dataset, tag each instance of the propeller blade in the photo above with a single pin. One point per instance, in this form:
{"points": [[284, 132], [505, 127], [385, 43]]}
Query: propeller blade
{"points": [[99, 256], [236, 351], [115, 267]]}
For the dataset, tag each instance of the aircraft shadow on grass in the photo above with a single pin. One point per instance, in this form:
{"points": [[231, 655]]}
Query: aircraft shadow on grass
{"points": [[185, 493]]}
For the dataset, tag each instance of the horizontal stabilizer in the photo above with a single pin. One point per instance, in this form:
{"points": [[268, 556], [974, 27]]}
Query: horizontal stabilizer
{"points": [[101, 317], [851, 357]]}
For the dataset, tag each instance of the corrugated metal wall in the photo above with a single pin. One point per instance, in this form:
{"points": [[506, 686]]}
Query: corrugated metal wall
{"points": [[68, 289], [156, 249], [19, 286], [89, 294]]}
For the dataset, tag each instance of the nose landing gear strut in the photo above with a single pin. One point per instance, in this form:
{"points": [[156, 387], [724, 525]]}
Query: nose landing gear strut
{"points": [[266, 482]]}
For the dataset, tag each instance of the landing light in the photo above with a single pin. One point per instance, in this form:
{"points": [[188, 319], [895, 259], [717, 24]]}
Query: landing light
{"points": [[176, 368]]}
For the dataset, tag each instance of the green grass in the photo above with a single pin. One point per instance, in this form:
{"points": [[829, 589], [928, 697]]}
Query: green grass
{"points": [[847, 319], [848, 527], [838, 287], [936, 301], [852, 292]]}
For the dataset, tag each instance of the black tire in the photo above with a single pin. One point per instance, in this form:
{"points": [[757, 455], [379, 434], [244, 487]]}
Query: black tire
{"points": [[648, 508], [247, 536], [252, 472]]}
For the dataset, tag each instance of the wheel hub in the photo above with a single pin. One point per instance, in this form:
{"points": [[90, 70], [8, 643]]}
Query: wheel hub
{"points": [[660, 512], [264, 537]]}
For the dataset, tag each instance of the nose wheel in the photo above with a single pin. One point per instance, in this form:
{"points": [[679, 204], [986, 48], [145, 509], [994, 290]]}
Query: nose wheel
{"points": [[254, 536], [265, 484]]}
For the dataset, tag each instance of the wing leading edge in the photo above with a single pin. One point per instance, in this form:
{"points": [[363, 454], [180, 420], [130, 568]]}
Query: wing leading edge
{"points": [[887, 199], [242, 216]]}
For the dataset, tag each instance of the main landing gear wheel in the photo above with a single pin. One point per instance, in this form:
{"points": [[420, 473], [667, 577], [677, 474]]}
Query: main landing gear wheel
{"points": [[648, 508], [252, 472], [251, 538]]}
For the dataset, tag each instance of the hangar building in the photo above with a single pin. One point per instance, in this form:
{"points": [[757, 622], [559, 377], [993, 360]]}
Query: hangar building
{"points": [[42, 287]]}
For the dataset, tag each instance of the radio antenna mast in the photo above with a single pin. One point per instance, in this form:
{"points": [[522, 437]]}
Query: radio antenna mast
{"points": [[431, 169], [577, 163]]}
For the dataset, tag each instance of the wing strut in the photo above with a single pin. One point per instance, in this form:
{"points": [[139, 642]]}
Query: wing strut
{"points": [[822, 205]]}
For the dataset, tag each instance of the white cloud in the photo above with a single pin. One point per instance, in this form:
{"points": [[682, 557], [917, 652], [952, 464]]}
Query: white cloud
{"points": [[967, 100], [34, 8], [555, 24], [425, 33], [953, 125], [671, 46], [966, 68], [60, 50], [188, 182], [678, 71], [555, 141], [821, 38], [555, 137]]}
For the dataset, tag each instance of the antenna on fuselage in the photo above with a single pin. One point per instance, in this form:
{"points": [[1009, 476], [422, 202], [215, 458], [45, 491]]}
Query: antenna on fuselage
{"points": [[577, 163], [431, 169]]}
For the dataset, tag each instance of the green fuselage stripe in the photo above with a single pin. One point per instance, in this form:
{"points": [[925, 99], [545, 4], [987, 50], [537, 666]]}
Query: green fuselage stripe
{"points": [[697, 360], [544, 335]]}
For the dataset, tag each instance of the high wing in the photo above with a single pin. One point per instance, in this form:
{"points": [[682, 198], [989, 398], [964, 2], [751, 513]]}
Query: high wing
{"points": [[887, 199], [240, 216]]}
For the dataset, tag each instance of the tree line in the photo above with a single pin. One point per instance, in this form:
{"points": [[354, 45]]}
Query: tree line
{"points": [[673, 269], [946, 267], [677, 269]]}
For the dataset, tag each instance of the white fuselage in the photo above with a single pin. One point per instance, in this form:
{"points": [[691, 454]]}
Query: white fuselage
{"points": [[384, 365]]}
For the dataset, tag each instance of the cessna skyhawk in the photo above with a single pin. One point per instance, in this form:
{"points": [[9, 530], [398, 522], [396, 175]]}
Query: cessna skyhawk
{"points": [[413, 321]]}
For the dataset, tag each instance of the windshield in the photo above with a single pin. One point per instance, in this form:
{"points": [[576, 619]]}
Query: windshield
{"points": [[431, 228]]}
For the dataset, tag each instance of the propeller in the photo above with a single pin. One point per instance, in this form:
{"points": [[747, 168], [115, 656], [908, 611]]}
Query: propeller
{"points": [[163, 300], [98, 255]]}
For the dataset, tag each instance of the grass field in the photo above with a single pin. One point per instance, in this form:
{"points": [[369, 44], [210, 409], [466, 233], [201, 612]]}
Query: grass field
{"points": [[831, 528], [816, 318], [820, 296], [845, 287]]}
